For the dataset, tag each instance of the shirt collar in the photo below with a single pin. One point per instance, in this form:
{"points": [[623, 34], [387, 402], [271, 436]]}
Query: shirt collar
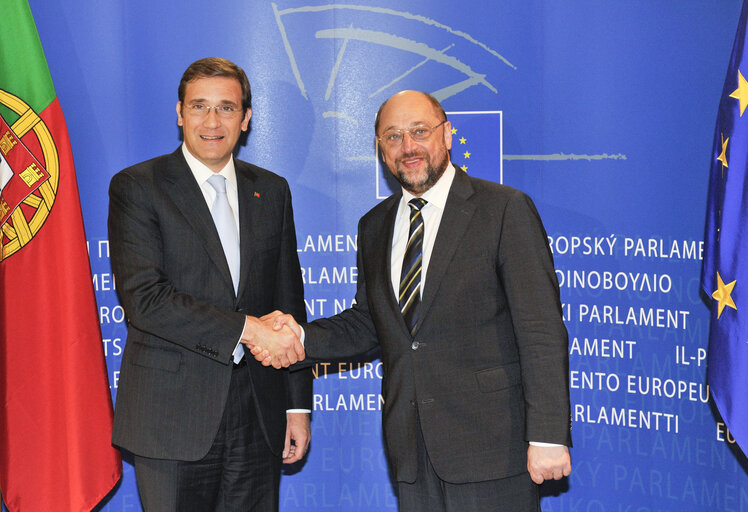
{"points": [[202, 173], [437, 194]]}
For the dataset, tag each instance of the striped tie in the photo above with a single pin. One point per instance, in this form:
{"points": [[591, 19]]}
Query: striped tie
{"points": [[410, 277]]}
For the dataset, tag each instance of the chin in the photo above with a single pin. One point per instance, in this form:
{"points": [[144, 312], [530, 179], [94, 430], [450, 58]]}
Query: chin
{"points": [[414, 188], [413, 181]]}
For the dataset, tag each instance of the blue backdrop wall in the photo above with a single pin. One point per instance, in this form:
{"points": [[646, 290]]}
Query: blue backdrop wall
{"points": [[602, 111]]}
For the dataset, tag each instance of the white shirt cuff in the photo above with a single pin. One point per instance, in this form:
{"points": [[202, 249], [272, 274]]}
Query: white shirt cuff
{"points": [[238, 342]]}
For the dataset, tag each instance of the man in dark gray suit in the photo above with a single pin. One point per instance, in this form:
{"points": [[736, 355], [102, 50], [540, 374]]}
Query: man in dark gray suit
{"points": [[201, 245], [456, 284]]}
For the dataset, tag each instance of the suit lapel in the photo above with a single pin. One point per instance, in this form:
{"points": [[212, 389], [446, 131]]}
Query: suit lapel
{"points": [[187, 196], [456, 217], [381, 254], [248, 209], [383, 258]]}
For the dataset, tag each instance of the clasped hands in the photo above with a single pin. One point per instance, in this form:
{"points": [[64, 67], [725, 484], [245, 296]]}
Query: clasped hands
{"points": [[274, 339]]}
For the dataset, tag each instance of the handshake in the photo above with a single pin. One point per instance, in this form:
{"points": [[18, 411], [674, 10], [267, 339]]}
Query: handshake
{"points": [[274, 339]]}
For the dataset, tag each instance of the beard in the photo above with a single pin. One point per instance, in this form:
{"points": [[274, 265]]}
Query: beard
{"points": [[418, 183]]}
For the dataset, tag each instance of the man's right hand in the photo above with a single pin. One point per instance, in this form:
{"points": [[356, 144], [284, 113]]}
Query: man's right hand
{"points": [[280, 322], [282, 347]]}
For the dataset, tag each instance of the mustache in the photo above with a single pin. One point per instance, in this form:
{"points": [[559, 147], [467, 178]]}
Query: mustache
{"points": [[412, 154]]}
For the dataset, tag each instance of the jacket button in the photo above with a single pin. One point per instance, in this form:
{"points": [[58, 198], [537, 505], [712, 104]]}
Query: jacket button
{"points": [[415, 345]]}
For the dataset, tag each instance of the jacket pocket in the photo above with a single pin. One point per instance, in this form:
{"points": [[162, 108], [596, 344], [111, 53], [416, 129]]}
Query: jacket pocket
{"points": [[158, 358], [498, 378]]}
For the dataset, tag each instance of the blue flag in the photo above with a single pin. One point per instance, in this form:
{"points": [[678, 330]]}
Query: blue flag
{"points": [[477, 143], [725, 268]]}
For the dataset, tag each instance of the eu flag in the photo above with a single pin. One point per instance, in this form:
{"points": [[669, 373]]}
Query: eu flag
{"points": [[725, 267], [477, 143]]}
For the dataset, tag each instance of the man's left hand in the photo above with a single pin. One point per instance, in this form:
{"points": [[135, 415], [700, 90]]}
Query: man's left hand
{"points": [[548, 463], [298, 431]]}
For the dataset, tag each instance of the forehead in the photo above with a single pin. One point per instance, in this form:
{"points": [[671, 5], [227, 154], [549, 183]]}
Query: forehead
{"points": [[407, 110], [215, 88]]}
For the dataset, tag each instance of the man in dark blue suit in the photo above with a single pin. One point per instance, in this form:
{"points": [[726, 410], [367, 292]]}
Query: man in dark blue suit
{"points": [[201, 245], [456, 285]]}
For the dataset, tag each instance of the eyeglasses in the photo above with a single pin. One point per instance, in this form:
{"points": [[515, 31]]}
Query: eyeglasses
{"points": [[393, 138], [200, 110]]}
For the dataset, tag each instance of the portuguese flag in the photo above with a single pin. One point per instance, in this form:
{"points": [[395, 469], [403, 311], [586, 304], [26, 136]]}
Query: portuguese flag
{"points": [[56, 417]]}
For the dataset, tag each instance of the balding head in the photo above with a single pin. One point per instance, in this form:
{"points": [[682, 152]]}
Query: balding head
{"points": [[438, 110]]}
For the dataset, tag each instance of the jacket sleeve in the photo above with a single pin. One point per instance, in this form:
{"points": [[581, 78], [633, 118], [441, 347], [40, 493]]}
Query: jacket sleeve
{"points": [[530, 283], [289, 298], [350, 332]]}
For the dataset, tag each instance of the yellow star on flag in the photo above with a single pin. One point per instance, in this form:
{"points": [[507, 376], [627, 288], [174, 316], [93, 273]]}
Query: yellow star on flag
{"points": [[722, 295], [463, 167], [741, 93], [454, 130], [723, 156], [463, 140], [466, 154]]}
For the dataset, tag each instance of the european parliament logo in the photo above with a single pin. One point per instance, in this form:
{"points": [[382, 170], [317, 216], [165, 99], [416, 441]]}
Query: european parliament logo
{"points": [[408, 44], [477, 148]]}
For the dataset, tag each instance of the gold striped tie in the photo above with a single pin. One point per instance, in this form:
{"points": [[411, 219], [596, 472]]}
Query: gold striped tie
{"points": [[410, 278]]}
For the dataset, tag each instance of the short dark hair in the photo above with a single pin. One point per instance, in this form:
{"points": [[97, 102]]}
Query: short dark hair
{"points": [[216, 66], [434, 103]]}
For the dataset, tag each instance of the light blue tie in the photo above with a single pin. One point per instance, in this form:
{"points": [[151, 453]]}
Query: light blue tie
{"points": [[226, 226]]}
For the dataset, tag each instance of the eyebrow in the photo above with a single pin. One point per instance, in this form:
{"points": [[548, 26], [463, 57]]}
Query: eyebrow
{"points": [[221, 102], [412, 125]]}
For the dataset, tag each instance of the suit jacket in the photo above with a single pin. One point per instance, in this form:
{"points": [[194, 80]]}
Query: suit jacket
{"points": [[184, 317], [487, 368]]}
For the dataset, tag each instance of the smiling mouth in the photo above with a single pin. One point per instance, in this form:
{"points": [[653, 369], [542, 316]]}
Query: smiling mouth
{"points": [[411, 161], [412, 158], [217, 137]]}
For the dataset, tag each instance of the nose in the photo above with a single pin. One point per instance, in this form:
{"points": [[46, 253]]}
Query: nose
{"points": [[211, 118], [408, 142]]}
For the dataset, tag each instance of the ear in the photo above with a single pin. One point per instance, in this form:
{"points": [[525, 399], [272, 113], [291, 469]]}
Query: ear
{"points": [[448, 135], [245, 121], [179, 114]]}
